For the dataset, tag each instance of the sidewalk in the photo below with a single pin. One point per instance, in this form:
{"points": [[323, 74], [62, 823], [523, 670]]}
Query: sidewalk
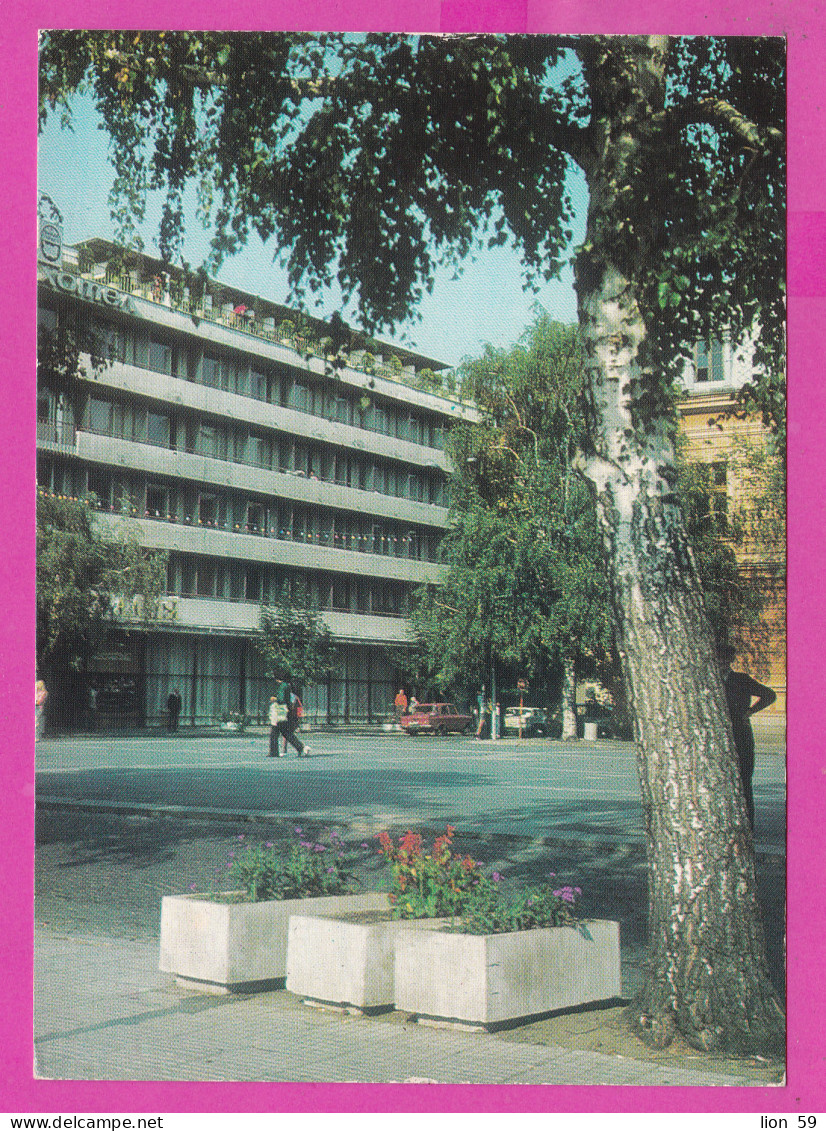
{"points": [[104, 1012]]}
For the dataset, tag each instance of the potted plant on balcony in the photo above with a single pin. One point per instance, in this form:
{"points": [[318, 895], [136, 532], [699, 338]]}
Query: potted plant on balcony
{"points": [[286, 332], [503, 957], [235, 937]]}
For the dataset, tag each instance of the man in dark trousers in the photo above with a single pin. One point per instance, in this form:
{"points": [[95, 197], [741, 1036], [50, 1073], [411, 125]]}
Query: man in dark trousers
{"points": [[741, 691], [173, 707]]}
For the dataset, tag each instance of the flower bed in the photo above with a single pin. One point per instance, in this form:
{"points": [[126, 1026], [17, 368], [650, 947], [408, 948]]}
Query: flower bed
{"points": [[346, 959], [501, 957], [489, 980], [235, 945], [236, 939]]}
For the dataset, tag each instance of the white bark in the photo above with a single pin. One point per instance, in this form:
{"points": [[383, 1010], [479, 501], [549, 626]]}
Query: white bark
{"points": [[569, 729]]}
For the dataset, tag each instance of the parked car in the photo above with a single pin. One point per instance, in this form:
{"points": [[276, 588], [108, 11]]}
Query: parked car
{"points": [[436, 718], [533, 720]]}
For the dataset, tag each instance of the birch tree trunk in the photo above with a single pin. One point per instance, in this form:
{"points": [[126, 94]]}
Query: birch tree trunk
{"points": [[568, 698], [708, 976]]}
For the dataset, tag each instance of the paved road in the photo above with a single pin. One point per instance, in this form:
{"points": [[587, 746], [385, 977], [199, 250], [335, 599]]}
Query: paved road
{"points": [[111, 843], [536, 788]]}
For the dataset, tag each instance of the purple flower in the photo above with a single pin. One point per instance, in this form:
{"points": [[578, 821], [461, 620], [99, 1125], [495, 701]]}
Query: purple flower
{"points": [[268, 844], [330, 869], [193, 887], [364, 844], [242, 837], [566, 894], [497, 877], [298, 830], [319, 848]]}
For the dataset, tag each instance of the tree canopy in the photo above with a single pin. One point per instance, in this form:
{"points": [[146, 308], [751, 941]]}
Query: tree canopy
{"points": [[525, 586], [82, 574], [373, 158], [294, 642]]}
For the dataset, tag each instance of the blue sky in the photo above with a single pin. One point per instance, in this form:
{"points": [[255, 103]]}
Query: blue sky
{"points": [[487, 303]]}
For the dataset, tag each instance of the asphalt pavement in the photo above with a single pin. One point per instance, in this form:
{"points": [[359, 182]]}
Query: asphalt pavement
{"points": [[530, 788], [123, 821]]}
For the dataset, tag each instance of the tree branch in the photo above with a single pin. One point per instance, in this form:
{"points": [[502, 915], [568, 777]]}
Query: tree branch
{"points": [[718, 112]]}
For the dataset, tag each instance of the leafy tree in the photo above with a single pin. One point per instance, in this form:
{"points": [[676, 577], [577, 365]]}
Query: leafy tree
{"points": [[525, 586], [87, 582], [715, 533], [296, 645], [373, 158]]}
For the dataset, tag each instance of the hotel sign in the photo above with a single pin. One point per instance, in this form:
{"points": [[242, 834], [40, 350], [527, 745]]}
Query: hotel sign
{"points": [[51, 242], [87, 289]]}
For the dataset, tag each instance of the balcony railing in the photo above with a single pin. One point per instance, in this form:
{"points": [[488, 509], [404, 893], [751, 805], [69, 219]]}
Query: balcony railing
{"points": [[57, 435], [246, 321], [385, 545]]}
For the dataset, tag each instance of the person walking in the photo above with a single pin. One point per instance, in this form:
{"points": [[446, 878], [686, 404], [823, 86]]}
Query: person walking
{"points": [[93, 707], [741, 692], [400, 703], [40, 697], [284, 722], [480, 709], [295, 713], [173, 709], [277, 715]]}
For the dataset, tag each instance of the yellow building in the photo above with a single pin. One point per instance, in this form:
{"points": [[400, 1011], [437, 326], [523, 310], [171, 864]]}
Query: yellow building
{"points": [[736, 451]]}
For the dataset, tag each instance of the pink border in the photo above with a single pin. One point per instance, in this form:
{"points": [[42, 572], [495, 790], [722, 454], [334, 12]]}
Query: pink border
{"points": [[803, 24]]}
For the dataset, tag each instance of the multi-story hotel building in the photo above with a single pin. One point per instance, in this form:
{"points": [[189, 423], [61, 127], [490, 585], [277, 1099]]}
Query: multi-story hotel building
{"points": [[723, 441], [257, 463]]}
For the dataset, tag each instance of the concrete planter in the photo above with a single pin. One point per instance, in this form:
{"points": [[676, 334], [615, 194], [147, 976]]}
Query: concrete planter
{"points": [[487, 980], [347, 960], [226, 947]]}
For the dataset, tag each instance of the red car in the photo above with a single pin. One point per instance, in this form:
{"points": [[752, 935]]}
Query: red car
{"points": [[435, 718]]}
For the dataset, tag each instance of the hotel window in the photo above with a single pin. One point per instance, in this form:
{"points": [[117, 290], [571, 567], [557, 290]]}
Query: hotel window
{"points": [[341, 469], [255, 518], [208, 510], [110, 342], [252, 587], [207, 578], [187, 577], [708, 362], [46, 407], [206, 440], [256, 451], [300, 397], [100, 416], [258, 385], [157, 502], [157, 429], [211, 371], [160, 357], [99, 486], [341, 593]]}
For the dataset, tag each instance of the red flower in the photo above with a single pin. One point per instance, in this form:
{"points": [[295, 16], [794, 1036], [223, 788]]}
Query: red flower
{"points": [[385, 843], [411, 843]]}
